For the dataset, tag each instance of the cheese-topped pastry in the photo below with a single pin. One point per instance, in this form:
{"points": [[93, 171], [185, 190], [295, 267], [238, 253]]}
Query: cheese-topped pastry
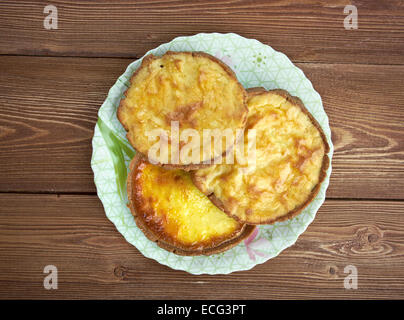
{"points": [[170, 210], [173, 99], [290, 162]]}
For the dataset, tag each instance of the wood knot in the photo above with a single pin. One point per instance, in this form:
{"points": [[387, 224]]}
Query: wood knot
{"points": [[367, 240], [367, 236], [120, 272], [332, 271], [373, 238]]}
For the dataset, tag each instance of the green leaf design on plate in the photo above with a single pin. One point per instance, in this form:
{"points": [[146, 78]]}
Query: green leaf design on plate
{"points": [[115, 147]]}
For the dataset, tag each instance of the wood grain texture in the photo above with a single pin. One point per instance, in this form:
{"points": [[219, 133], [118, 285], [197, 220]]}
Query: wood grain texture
{"points": [[94, 261], [48, 109], [365, 105], [313, 28], [49, 213]]}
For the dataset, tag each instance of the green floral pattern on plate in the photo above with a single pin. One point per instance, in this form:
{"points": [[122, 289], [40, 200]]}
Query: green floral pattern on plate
{"points": [[256, 65]]}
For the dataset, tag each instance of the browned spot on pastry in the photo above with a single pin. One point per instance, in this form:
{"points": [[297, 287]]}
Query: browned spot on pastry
{"points": [[232, 202], [178, 64], [253, 191], [184, 114], [305, 158], [282, 199], [296, 181], [252, 121], [274, 115]]}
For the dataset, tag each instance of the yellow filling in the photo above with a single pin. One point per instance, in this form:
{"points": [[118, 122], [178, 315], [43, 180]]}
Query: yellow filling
{"points": [[289, 156], [193, 90], [175, 207]]}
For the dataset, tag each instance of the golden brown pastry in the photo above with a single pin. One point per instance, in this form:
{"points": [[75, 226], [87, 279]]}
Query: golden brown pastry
{"points": [[291, 163], [171, 211], [182, 91]]}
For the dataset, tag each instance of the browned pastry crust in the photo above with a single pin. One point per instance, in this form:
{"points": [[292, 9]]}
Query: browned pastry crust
{"points": [[242, 234], [323, 171], [145, 63]]}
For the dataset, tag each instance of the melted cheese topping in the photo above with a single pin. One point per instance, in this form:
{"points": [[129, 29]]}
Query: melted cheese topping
{"points": [[192, 89], [176, 211], [289, 157]]}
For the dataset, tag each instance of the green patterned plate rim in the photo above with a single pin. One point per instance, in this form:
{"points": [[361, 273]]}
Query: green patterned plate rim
{"points": [[256, 65]]}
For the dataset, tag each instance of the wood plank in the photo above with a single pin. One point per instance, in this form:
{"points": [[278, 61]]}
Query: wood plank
{"points": [[48, 113], [48, 109], [307, 31], [366, 109], [93, 260]]}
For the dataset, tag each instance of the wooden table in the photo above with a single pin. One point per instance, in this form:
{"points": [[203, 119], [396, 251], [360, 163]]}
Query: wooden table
{"points": [[52, 83]]}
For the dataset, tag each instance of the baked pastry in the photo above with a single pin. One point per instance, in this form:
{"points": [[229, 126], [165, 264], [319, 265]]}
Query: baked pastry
{"points": [[182, 94], [291, 162], [172, 212]]}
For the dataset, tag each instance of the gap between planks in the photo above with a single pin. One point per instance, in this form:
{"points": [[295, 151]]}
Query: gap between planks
{"points": [[140, 57], [59, 194]]}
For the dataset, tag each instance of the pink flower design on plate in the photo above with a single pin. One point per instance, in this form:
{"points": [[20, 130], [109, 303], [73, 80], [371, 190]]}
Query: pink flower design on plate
{"points": [[253, 247], [227, 60]]}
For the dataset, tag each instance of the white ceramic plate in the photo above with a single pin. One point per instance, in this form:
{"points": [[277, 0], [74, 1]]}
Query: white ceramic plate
{"points": [[255, 64]]}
